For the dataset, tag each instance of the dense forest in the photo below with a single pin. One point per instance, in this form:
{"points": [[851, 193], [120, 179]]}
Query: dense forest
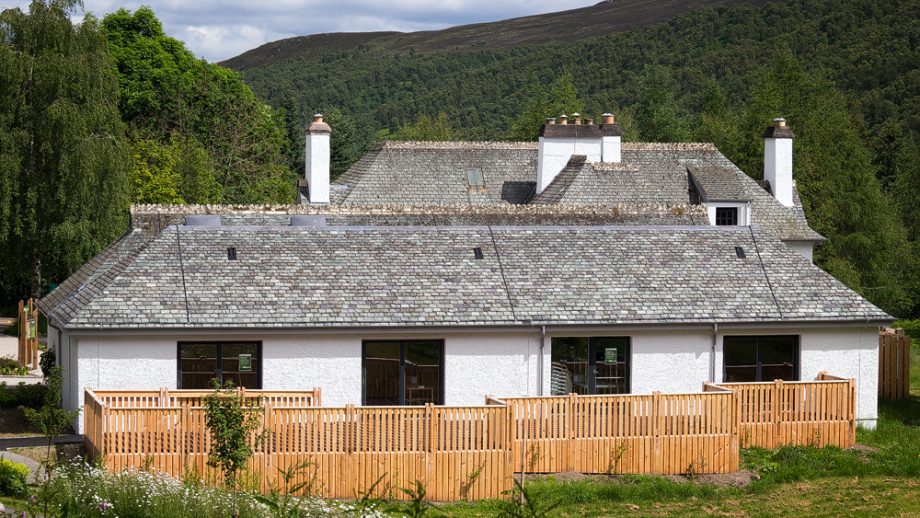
{"points": [[96, 115], [846, 74]]}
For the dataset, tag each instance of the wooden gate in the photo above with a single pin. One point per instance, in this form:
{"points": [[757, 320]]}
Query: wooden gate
{"points": [[893, 364]]}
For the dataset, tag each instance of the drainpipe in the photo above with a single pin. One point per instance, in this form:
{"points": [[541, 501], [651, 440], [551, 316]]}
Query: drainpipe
{"points": [[540, 361], [712, 355]]}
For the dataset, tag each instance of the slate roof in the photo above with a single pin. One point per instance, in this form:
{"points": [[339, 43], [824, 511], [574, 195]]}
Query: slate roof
{"points": [[434, 173], [650, 173], [302, 277]]}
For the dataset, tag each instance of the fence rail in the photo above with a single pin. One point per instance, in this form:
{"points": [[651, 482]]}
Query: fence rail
{"points": [[894, 364], [174, 398], [797, 413]]}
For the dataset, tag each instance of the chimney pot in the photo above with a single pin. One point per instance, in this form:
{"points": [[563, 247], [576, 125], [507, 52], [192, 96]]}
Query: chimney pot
{"points": [[551, 120], [563, 119], [590, 120], [577, 117], [318, 117], [608, 118], [779, 122]]}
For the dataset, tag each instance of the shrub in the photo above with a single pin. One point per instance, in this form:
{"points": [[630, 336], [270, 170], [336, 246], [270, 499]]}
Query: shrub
{"points": [[47, 362], [11, 367], [13, 478], [30, 396]]}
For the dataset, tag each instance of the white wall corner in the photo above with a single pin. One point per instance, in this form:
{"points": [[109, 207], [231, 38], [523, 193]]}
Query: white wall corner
{"points": [[611, 149]]}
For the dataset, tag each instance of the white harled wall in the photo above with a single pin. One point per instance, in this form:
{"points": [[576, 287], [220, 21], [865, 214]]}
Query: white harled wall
{"points": [[477, 363]]}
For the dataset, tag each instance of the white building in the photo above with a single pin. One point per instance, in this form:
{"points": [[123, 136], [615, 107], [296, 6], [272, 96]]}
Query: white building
{"points": [[489, 287]]}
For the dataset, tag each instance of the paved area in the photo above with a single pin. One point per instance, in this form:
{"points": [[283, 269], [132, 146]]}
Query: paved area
{"points": [[26, 442], [9, 346]]}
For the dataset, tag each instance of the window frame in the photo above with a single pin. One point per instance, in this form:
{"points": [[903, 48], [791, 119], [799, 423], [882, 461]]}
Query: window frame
{"points": [[219, 360], [736, 211], [758, 370], [402, 368], [592, 361]]}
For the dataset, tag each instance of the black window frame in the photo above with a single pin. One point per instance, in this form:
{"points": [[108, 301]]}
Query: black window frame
{"points": [[796, 362], [219, 359], [592, 361], [402, 368], [734, 219]]}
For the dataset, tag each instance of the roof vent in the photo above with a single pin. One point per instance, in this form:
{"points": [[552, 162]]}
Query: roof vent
{"points": [[203, 220], [308, 220], [740, 252], [477, 253], [231, 253]]}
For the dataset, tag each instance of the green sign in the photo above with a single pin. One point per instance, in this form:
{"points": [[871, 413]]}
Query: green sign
{"points": [[610, 355], [31, 328], [245, 362]]}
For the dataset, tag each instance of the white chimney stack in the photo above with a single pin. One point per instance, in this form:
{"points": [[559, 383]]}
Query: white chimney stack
{"points": [[611, 137], [559, 141], [317, 158], [777, 160]]}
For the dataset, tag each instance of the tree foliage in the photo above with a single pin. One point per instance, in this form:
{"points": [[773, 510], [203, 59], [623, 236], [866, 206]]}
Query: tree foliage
{"points": [[426, 128], [544, 101], [170, 99], [64, 158]]}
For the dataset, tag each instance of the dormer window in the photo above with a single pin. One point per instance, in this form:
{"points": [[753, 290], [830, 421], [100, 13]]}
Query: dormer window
{"points": [[726, 216]]}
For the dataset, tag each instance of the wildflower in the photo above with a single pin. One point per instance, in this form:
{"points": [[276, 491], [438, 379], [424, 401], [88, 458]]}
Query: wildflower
{"points": [[104, 506]]}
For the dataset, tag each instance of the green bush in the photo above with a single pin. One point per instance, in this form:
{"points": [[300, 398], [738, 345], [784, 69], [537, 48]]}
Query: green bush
{"points": [[13, 478], [11, 367], [911, 327], [31, 396]]}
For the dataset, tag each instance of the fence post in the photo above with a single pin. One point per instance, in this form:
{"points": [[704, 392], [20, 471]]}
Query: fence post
{"points": [[657, 425], [569, 433], [851, 390], [34, 340], [182, 430], [21, 350], [777, 421], [317, 396]]}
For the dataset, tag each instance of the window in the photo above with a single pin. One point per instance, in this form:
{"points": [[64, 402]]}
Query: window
{"points": [[726, 215], [236, 362], [403, 372], [761, 358], [475, 180], [596, 365]]}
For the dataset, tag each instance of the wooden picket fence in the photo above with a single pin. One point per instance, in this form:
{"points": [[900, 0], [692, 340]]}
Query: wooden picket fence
{"points": [[894, 364], [472, 452], [797, 413], [657, 433], [458, 453], [28, 334]]}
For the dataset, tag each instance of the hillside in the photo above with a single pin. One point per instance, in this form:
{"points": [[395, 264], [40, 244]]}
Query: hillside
{"points": [[606, 17]]}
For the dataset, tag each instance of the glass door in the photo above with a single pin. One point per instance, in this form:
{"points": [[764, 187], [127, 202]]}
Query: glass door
{"points": [[403, 372], [609, 366], [590, 365]]}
